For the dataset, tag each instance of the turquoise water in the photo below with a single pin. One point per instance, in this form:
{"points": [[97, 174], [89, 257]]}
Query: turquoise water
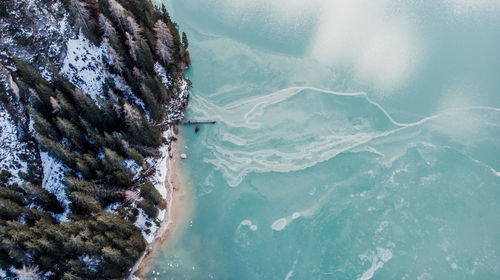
{"points": [[354, 140]]}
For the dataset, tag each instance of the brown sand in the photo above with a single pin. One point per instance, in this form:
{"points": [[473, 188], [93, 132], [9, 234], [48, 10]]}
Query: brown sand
{"points": [[181, 211]]}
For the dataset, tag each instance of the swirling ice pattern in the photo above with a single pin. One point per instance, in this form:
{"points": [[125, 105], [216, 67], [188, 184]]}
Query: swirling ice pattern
{"points": [[342, 122]]}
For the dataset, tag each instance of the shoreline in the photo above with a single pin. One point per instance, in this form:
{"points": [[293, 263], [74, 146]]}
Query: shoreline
{"points": [[179, 206]]}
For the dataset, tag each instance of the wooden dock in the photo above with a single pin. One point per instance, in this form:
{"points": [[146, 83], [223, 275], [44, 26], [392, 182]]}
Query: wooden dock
{"points": [[198, 122]]}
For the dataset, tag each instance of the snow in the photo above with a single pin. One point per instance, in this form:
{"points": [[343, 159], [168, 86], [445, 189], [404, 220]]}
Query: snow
{"points": [[141, 221], [133, 167], [91, 262], [45, 24], [11, 148], [3, 273], [164, 186], [112, 207], [53, 175], [83, 66], [160, 70], [122, 85]]}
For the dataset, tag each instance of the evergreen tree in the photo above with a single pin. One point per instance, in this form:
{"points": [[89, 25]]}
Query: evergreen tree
{"points": [[154, 108], [71, 132], [185, 42], [83, 204]]}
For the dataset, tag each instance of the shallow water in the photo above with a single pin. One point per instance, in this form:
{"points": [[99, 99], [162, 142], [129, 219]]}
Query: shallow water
{"points": [[353, 141]]}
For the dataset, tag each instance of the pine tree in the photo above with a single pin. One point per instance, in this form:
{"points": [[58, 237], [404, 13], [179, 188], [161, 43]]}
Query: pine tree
{"points": [[185, 42], [154, 108], [9, 210], [112, 161], [43, 126], [164, 14], [116, 59], [149, 192], [71, 132], [30, 75], [148, 207], [83, 204], [56, 150], [42, 197], [66, 107], [144, 57]]}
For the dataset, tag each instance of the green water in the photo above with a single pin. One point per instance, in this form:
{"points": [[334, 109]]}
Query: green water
{"points": [[354, 140]]}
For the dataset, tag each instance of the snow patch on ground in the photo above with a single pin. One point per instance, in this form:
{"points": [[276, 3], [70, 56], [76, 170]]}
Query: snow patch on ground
{"points": [[3, 273], [141, 223], [44, 24], [133, 168], [160, 166], [112, 207], [162, 72], [83, 66], [121, 84], [159, 180], [90, 262], [53, 175], [11, 148]]}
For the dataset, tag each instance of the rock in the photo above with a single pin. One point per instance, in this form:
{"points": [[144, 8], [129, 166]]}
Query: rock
{"points": [[184, 156]]}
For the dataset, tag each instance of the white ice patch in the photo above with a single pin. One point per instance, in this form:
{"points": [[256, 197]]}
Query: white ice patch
{"points": [[249, 224], [292, 271], [495, 172], [279, 224], [377, 259], [53, 175], [382, 226], [83, 66], [242, 234], [340, 131]]}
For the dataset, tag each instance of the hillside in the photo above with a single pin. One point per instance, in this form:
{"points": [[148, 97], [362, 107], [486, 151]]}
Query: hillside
{"points": [[90, 92]]}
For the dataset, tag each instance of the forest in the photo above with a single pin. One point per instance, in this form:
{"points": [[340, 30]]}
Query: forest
{"points": [[101, 144]]}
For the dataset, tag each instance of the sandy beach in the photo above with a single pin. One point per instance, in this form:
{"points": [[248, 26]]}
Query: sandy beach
{"points": [[180, 212]]}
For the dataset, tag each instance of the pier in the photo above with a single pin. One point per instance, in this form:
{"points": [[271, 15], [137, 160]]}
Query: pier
{"points": [[199, 122]]}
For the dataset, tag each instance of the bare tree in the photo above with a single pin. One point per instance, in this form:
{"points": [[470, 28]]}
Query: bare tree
{"points": [[164, 42], [117, 11], [134, 28], [130, 112], [164, 52], [116, 60], [131, 44], [80, 11], [56, 108], [106, 26], [163, 33], [28, 273]]}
